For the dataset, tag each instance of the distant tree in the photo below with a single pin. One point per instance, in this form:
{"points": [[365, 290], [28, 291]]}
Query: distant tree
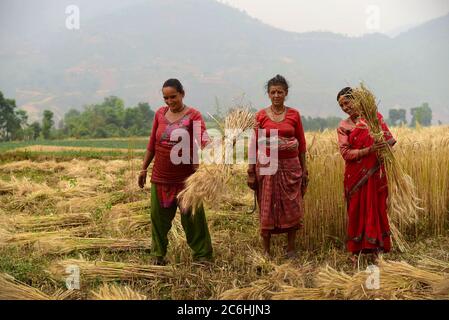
{"points": [[397, 117], [72, 123], [109, 119], [36, 130], [421, 115], [319, 124], [138, 120], [47, 124], [12, 121]]}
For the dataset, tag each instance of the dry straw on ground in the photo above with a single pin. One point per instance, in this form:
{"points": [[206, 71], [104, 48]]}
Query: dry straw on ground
{"points": [[111, 271], [114, 292], [12, 289], [71, 244]]}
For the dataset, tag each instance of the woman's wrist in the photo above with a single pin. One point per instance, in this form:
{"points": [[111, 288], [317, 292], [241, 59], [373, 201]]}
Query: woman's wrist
{"points": [[365, 151]]}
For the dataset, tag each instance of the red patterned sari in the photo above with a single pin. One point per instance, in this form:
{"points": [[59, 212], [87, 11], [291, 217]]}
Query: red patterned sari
{"points": [[366, 191], [279, 195]]}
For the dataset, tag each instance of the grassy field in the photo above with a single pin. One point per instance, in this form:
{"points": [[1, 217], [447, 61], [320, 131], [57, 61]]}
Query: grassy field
{"points": [[66, 207], [119, 143]]}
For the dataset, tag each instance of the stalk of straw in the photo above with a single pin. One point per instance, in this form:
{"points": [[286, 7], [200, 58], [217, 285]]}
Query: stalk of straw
{"points": [[403, 199], [114, 292], [13, 289], [110, 271], [208, 183]]}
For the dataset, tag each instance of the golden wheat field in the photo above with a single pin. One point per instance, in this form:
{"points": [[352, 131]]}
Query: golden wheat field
{"points": [[90, 213]]}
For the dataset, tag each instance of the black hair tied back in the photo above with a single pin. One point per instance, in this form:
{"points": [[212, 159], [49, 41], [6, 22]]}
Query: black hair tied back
{"points": [[174, 83], [347, 91], [277, 81]]}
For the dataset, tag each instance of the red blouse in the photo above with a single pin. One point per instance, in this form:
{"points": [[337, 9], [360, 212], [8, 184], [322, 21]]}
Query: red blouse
{"points": [[164, 170], [344, 131], [290, 127]]}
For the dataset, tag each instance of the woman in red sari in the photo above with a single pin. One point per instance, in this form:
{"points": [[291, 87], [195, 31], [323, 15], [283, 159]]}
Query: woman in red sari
{"points": [[365, 181], [168, 176], [279, 194]]}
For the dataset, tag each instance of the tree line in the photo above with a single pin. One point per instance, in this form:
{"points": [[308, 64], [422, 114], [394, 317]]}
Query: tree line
{"points": [[112, 119]]}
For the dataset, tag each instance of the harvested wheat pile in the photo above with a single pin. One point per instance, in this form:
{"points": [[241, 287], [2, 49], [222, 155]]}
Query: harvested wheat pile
{"points": [[209, 183], [398, 280], [258, 290], [114, 292], [23, 223], [111, 271], [68, 244], [12, 289]]}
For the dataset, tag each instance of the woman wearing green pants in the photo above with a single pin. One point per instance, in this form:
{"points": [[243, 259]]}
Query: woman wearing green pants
{"points": [[168, 175]]}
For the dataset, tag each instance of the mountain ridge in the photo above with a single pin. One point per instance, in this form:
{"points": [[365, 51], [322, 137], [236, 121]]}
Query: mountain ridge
{"points": [[218, 51]]}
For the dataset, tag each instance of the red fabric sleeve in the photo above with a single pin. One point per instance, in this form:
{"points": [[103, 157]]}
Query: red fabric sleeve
{"points": [[202, 138], [152, 142], [387, 134], [299, 135], [347, 153]]}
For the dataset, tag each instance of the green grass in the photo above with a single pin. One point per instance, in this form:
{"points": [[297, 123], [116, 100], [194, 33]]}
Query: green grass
{"points": [[20, 263], [66, 155], [124, 143]]}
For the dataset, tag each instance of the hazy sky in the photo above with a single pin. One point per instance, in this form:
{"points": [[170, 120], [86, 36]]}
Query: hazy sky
{"points": [[351, 17]]}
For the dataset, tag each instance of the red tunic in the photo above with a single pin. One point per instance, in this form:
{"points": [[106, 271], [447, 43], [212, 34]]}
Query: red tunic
{"points": [[290, 127], [365, 184], [279, 195], [170, 177]]}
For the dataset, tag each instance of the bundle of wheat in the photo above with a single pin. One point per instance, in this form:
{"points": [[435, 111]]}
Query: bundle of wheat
{"points": [[295, 293], [208, 184], [405, 281], [23, 187], [114, 292], [397, 280], [434, 264], [289, 274], [46, 222], [403, 200], [8, 238], [71, 244], [258, 290], [49, 166], [127, 218], [12, 289], [81, 204], [110, 271], [6, 187]]}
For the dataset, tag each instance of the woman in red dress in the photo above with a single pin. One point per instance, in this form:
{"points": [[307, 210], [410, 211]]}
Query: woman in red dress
{"points": [[168, 176], [365, 181], [279, 194]]}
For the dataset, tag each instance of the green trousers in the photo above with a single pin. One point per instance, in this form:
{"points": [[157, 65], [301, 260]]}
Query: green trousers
{"points": [[194, 225]]}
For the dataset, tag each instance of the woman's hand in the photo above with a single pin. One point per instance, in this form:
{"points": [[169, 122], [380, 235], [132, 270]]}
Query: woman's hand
{"points": [[379, 146], [142, 178], [252, 180], [305, 182]]}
